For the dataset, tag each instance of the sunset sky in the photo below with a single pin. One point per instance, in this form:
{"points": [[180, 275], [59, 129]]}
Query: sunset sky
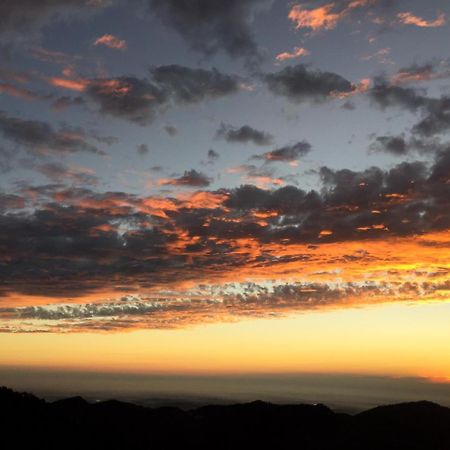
{"points": [[209, 187]]}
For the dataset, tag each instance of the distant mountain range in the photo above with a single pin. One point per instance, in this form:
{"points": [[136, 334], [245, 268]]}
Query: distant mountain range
{"points": [[27, 422]]}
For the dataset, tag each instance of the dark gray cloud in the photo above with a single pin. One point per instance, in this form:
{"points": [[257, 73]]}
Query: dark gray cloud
{"points": [[18, 15], [387, 95], [212, 25], [213, 155], [400, 145], [187, 85], [189, 178], [244, 135], [40, 137], [435, 112], [288, 153], [436, 120], [396, 145], [130, 98], [142, 100], [300, 83]]}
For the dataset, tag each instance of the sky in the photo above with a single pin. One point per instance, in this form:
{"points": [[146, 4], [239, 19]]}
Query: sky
{"points": [[208, 188]]}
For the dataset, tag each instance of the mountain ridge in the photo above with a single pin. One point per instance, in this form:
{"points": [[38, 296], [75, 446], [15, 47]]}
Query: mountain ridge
{"points": [[76, 423]]}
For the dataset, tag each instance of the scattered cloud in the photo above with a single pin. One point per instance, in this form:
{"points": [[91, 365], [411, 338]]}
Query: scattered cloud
{"points": [[408, 18], [289, 153], [41, 138], [299, 84], [298, 52], [244, 135], [191, 178], [110, 41], [70, 175], [171, 130]]}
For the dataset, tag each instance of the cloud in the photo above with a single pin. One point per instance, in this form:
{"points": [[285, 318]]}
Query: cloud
{"points": [[327, 16], [261, 176], [60, 241], [244, 135], [288, 153], [143, 149], [70, 175], [435, 111], [407, 18], [388, 95], [19, 15], [142, 100], [298, 52], [64, 101], [391, 144], [213, 155], [190, 178], [400, 146], [20, 92], [320, 18], [416, 73], [186, 85], [209, 26], [209, 303], [171, 130], [130, 98], [11, 202], [40, 137], [110, 41], [299, 84], [79, 84]]}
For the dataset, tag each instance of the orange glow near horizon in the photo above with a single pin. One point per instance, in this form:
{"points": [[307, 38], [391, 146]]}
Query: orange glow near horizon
{"points": [[394, 340]]}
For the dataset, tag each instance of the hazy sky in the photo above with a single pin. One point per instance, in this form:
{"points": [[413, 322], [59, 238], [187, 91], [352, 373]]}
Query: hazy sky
{"points": [[197, 186]]}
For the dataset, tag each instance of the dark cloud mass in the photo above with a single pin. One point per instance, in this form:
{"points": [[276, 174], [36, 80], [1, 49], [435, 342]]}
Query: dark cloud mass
{"points": [[119, 238], [142, 100], [134, 99], [299, 84], [244, 135], [435, 112], [212, 25], [40, 137], [17, 15], [391, 144], [186, 85], [386, 95]]}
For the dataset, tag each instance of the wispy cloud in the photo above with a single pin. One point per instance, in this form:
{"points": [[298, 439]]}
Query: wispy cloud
{"points": [[110, 41], [408, 18]]}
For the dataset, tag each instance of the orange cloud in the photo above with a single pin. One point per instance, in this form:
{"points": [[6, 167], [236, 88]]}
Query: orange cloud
{"points": [[324, 17], [10, 89], [110, 41], [297, 53], [71, 84], [321, 18], [113, 87], [408, 18]]}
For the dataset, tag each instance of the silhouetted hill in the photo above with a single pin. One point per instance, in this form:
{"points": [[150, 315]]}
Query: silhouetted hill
{"points": [[74, 423]]}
